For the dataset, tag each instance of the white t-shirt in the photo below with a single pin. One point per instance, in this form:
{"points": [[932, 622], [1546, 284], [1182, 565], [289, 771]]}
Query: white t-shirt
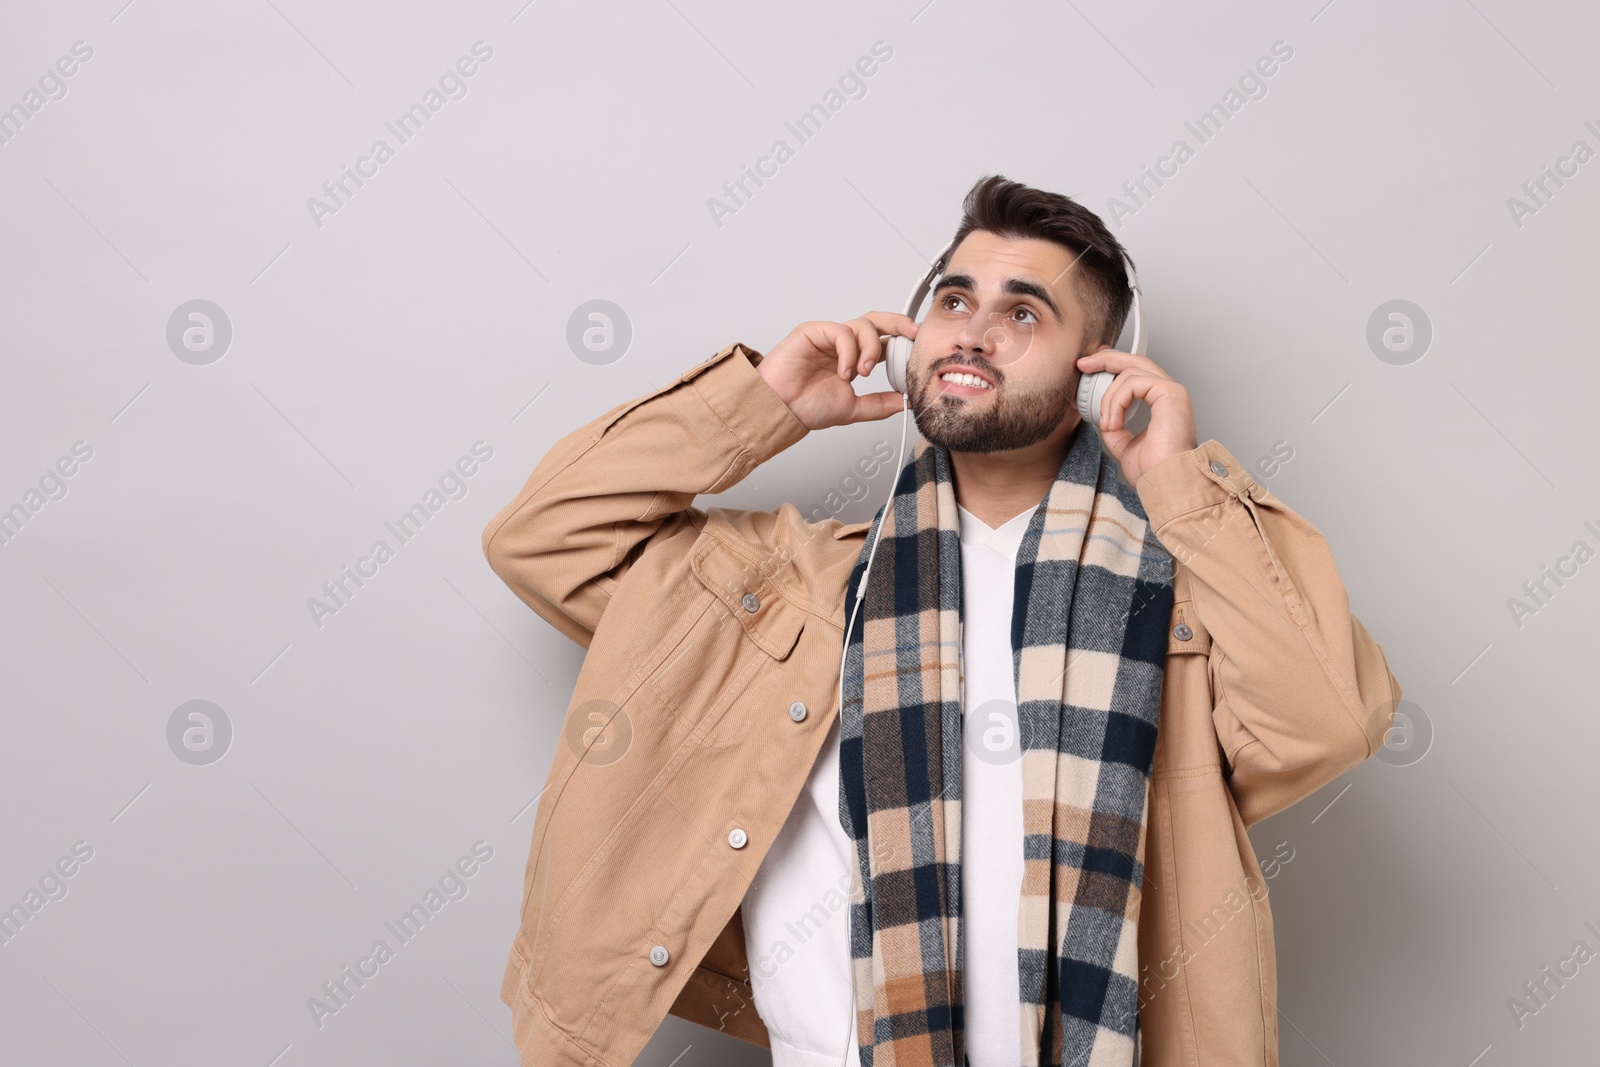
{"points": [[796, 912]]}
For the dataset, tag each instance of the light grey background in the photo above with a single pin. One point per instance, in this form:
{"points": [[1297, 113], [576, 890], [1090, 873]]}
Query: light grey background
{"points": [[431, 311]]}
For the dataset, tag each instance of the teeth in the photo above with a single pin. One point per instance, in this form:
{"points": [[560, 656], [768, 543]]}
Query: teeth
{"points": [[960, 378]]}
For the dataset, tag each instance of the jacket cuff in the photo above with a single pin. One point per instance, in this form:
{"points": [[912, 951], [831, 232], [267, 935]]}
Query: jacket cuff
{"points": [[1202, 477], [740, 397]]}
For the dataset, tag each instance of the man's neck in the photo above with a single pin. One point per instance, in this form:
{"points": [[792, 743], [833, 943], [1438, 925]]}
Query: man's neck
{"points": [[998, 486]]}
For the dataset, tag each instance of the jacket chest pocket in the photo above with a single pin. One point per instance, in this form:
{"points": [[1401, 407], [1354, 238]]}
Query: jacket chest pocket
{"points": [[730, 666], [1187, 740], [745, 590], [1201, 689]]}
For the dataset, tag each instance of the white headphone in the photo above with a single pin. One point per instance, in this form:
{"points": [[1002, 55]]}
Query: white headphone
{"points": [[1091, 391], [1091, 387]]}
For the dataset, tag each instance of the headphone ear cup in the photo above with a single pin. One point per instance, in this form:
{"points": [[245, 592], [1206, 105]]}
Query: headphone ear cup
{"points": [[1092, 389], [896, 361]]}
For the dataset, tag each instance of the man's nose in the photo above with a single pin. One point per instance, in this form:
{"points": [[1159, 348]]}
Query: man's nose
{"points": [[977, 335], [989, 334]]}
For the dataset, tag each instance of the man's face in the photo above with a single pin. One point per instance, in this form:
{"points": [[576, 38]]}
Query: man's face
{"points": [[1006, 310]]}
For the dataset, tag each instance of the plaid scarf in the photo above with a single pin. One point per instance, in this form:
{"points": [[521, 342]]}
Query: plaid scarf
{"points": [[1088, 635]]}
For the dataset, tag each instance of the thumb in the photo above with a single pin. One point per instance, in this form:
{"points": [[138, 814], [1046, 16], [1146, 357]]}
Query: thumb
{"points": [[1117, 442], [873, 406]]}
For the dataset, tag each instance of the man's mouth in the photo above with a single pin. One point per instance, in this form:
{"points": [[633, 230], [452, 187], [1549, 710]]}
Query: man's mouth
{"points": [[964, 382]]}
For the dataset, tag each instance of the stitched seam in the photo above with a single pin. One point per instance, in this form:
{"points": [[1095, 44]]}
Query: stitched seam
{"points": [[652, 794], [1191, 1046], [1255, 933], [581, 1046], [1191, 772], [1329, 670], [628, 818], [652, 791], [730, 977], [1198, 507], [738, 456], [526, 993], [1234, 792], [637, 678], [534, 491], [654, 933], [782, 588]]}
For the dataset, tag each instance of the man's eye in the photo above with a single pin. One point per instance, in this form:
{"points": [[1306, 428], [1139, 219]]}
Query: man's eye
{"points": [[1031, 317], [949, 297]]}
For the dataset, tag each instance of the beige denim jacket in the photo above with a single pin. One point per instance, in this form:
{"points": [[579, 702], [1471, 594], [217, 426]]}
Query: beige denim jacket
{"points": [[714, 638]]}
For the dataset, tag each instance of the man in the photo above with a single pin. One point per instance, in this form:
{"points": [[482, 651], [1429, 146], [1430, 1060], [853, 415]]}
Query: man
{"points": [[1071, 684]]}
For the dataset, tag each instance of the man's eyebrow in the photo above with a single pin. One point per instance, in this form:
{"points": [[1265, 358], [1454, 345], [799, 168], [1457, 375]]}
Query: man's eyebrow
{"points": [[955, 281], [1023, 287], [1016, 286]]}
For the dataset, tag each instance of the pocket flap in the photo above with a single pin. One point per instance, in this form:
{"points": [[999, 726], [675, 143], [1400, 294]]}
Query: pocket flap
{"points": [[771, 621]]}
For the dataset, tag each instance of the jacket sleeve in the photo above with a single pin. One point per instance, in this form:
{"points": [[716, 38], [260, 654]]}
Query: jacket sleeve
{"points": [[610, 489], [1301, 692]]}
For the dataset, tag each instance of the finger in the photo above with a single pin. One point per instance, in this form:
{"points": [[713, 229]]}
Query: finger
{"points": [[892, 323], [870, 344], [843, 341], [1113, 409], [1116, 442], [872, 406], [1116, 361], [1127, 388]]}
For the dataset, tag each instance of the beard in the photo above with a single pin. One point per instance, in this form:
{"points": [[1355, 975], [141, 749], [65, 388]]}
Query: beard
{"points": [[1007, 420]]}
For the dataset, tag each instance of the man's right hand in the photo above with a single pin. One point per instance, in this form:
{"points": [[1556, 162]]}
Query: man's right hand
{"points": [[812, 368]]}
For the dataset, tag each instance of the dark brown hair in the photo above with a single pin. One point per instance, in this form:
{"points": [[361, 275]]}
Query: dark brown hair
{"points": [[1013, 210]]}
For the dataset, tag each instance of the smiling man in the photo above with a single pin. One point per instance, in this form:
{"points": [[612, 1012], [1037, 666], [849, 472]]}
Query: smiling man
{"points": [[1078, 664]]}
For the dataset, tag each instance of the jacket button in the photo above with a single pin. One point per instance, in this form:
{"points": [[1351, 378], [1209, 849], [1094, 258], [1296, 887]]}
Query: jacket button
{"points": [[751, 602], [1219, 468], [737, 838], [659, 955], [1182, 631], [797, 710]]}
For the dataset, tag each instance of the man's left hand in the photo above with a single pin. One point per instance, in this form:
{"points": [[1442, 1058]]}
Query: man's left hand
{"points": [[1171, 428]]}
